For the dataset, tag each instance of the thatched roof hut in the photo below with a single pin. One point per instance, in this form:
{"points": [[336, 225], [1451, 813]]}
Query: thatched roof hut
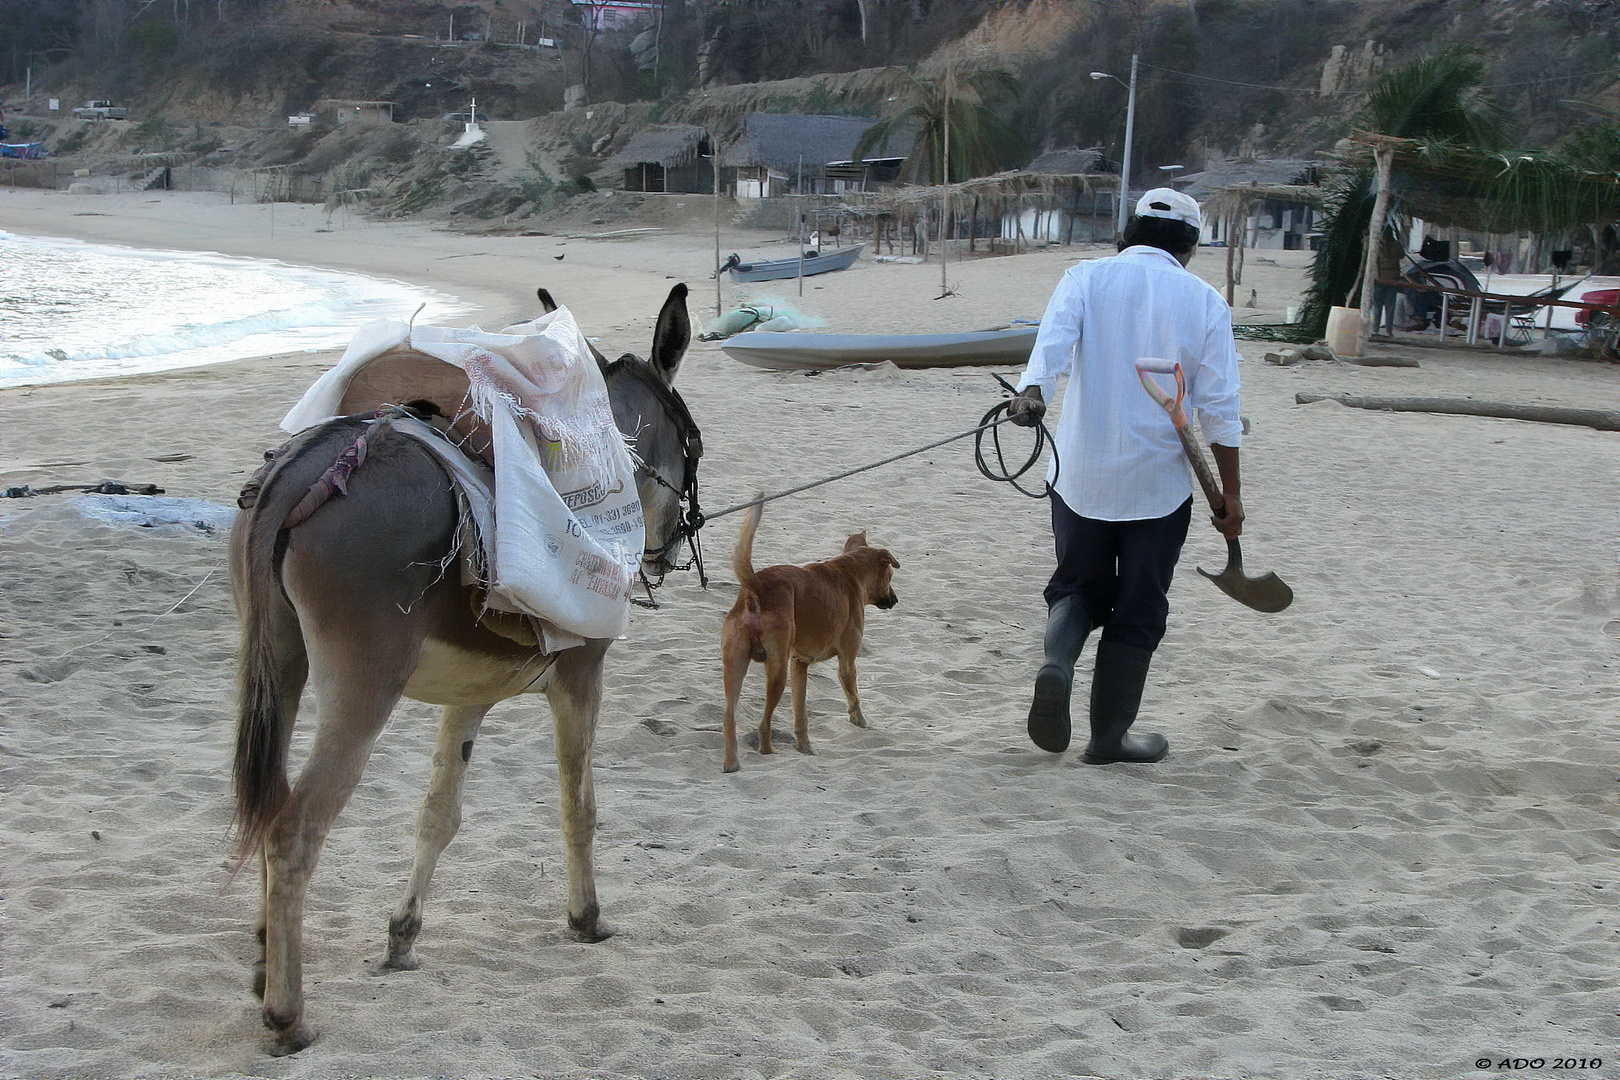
{"points": [[1073, 161], [1218, 176], [669, 146], [1019, 206], [1257, 202], [672, 158], [1001, 190]]}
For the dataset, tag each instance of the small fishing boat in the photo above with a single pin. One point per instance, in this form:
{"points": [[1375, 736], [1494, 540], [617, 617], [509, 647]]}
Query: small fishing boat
{"points": [[802, 352], [819, 262]]}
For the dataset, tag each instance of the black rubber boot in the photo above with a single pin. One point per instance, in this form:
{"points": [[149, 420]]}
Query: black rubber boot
{"points": [[1066, 630], [1116, 694]]}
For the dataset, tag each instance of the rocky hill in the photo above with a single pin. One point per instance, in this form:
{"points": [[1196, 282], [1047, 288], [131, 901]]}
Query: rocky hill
{"points": [[210, 82]]}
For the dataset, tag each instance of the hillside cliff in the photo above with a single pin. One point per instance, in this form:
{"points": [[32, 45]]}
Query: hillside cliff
{"points": [[1216, 77]]}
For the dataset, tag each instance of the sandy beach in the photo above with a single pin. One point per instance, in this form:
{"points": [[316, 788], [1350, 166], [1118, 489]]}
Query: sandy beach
{"points": [[1383, 844]]}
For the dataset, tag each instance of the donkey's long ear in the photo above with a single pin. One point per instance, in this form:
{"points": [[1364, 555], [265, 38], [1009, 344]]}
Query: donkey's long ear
{"points": [[672, 335], [547, 304]]}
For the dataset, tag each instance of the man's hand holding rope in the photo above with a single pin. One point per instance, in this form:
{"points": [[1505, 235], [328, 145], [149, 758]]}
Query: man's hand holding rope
{"points": [[1027, 408]]}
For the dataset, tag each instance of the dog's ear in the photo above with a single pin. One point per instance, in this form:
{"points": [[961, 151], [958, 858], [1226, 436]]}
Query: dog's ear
{"points": [[855, 542], [890, 559]]}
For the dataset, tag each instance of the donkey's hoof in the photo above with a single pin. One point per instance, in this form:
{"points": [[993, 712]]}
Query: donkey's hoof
{"points": [[292, 1040], [588, 927], [404, 960], [288, 1038], [804, 747]]}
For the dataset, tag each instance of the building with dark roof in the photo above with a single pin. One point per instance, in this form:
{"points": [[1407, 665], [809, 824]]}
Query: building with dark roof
{"points": [[784, 153], [675, 158]]}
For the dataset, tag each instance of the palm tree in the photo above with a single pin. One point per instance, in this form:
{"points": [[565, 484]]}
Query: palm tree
{"points": [[979, 141], [1436, 99]]}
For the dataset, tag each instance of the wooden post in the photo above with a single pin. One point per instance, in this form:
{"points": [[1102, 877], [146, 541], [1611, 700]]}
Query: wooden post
{"points": [[1243, 238], [945, 202], [1231, 252], [714, 158], [1375, 233]]}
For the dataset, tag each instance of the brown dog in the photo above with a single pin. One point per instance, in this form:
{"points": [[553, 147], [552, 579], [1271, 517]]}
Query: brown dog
{"points": [[798, 616]]}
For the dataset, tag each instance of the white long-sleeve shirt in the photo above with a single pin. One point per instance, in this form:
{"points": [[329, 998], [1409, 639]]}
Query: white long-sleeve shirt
{"points": [[1119, 458]]}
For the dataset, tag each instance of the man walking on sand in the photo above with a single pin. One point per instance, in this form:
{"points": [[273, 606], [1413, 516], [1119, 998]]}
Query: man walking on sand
{"points": [[1122, 499]]}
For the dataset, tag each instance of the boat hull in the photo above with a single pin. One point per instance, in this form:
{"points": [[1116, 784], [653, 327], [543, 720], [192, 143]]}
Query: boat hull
{"points": [[796, 352], [777, 269]]}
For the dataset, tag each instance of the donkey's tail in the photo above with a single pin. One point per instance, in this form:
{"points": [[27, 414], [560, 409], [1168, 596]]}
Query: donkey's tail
{"points": [[261, 747], [270, 662], [742, 564]]}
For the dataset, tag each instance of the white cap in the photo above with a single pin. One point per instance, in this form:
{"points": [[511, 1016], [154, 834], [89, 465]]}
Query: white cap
{"points": [[1169, 203]]}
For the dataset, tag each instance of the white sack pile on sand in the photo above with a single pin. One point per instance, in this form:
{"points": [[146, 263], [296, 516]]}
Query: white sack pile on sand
{"points": [[1382, 844]]}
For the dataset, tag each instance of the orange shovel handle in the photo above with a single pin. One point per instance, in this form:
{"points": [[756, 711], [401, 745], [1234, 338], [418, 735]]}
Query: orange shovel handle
{"points": [[1146, 368]]}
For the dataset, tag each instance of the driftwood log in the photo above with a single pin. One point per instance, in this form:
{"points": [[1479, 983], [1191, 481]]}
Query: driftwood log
{"points": [[1601, 419], [1380, 361]]}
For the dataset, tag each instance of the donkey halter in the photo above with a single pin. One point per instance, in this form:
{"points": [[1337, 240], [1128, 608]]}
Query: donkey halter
{"points": [[691, 518]]}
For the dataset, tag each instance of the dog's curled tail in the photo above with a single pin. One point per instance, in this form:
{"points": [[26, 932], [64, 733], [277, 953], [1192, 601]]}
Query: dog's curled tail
{"points": [[742, 557], [742, 564]]}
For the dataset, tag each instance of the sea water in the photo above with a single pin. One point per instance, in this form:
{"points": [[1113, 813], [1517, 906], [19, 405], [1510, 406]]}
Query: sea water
{"points": [[71, 310]]}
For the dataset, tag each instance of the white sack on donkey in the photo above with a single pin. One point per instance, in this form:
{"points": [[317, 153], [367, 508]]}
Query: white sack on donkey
{"points": [[568, 530]]}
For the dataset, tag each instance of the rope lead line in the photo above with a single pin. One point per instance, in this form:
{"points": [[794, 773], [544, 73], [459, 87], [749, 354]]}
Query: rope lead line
{"points": [[1041, 439]]}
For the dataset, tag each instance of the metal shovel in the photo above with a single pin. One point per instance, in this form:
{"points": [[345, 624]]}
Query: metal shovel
{"points": [[1265, 593]]}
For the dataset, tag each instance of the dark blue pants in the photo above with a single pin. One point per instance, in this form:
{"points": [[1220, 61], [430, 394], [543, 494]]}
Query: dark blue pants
{"points": [[1385, 298], [1121, 570]]}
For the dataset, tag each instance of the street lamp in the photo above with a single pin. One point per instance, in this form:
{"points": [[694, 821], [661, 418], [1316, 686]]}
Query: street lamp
{"points": [[1130, 127]]}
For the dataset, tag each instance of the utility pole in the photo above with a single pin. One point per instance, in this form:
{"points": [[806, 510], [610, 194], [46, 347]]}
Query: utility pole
{"points": [[945, 200], [1130, 131]]}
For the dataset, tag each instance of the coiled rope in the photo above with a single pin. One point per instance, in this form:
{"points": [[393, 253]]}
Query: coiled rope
{"points": [[1004, 475], [990, 422]]}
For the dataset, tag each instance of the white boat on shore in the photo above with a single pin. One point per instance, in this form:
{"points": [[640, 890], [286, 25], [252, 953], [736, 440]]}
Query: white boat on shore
{"points": [[815, 262], [794, 351]]}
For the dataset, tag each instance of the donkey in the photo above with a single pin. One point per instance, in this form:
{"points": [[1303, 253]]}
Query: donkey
{"points": [[355, 600]]}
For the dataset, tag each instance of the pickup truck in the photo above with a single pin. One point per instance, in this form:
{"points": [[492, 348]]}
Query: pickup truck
{"points": [[100, 110]]}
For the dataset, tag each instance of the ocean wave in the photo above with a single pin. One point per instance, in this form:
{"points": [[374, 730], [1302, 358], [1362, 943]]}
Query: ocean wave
{"points": [[186, 338], [90, 310]]}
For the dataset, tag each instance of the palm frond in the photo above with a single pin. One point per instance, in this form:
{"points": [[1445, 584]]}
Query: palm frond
{"points": [[981, 142], [1437, 97]]}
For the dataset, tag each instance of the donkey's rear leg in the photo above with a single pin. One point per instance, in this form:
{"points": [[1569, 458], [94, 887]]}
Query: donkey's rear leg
{"points": [[575, 693], [436, 825], [291, 672], [354, 702]]}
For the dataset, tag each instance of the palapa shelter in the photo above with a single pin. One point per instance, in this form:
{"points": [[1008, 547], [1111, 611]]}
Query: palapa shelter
{"points": [[1274, 203], [1487, 192], [674, 158], [1073, 197], [780, 154], [1013, 209], [1257, 202], [1476, 189]]}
